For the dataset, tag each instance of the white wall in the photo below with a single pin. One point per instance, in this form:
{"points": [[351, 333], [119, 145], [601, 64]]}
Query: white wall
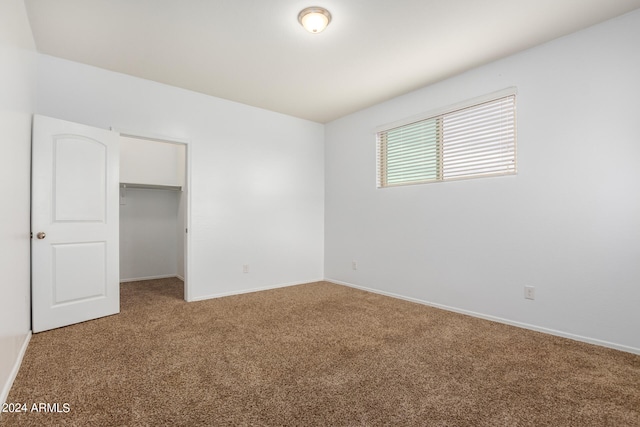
{"points": [[256, 177], [181, 235], [145, 161], [148, 237], [17, 84], [568, 223]]}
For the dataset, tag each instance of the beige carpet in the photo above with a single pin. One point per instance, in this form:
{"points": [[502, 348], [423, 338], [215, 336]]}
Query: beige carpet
{"points": [[315, 354]]}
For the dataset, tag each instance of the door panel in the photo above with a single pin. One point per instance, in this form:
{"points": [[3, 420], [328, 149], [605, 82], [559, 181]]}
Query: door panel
{"points": [[79, 199], [75, 218], [73, 284]]}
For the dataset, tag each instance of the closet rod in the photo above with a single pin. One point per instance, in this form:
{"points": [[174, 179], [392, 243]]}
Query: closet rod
{"points": [[151, 186]]}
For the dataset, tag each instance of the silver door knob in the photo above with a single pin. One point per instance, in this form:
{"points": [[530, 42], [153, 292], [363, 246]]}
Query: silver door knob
{"points": [[41, 235]]}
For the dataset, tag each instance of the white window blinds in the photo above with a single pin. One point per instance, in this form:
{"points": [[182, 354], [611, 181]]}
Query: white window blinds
{"points": [[475, 141]]}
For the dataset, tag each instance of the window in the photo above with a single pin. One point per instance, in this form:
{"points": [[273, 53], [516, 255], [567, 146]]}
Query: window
{"points": [[467, 142]]}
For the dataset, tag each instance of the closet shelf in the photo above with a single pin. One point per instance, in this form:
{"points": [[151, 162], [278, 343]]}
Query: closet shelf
{"points": [[150, 186]]}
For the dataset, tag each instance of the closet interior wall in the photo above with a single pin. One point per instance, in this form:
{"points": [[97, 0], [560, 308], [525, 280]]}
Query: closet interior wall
{"points": [[152, 209]]}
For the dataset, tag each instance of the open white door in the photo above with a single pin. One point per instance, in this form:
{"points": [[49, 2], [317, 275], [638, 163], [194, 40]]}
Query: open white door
{"points": [[74, 221]]}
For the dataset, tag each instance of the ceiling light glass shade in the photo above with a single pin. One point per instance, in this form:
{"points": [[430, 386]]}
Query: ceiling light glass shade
{"points": [[314, 19]]}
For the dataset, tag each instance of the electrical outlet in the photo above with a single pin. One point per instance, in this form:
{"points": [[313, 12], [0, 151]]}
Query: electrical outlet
{"points": [[245, 268], [354, 265], [529, 292]]}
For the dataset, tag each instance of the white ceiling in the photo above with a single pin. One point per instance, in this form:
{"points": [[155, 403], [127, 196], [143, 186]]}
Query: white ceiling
{"points": [[255, 51]]}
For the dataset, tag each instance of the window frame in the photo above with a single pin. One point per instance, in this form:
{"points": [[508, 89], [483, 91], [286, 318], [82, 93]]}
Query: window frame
{"points": [[438, 116]]}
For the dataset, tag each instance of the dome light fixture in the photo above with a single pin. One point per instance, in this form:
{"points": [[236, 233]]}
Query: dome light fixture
{"points": [[314, 19]]}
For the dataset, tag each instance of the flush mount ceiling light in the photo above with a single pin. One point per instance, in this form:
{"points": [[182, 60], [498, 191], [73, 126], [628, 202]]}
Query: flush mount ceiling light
{"points": [[314, 19]]}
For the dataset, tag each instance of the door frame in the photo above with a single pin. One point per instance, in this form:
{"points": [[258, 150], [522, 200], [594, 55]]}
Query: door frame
{"points": [[187, 185]]}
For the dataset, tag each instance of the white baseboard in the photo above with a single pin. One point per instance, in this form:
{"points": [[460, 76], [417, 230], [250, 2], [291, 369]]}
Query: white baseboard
{"points": [[137, 279], [14, 372], [179, 277], [495, 319], [247, 291]]}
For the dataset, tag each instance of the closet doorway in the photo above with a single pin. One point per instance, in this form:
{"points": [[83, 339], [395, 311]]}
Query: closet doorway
{"points": [[154, 203]]}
